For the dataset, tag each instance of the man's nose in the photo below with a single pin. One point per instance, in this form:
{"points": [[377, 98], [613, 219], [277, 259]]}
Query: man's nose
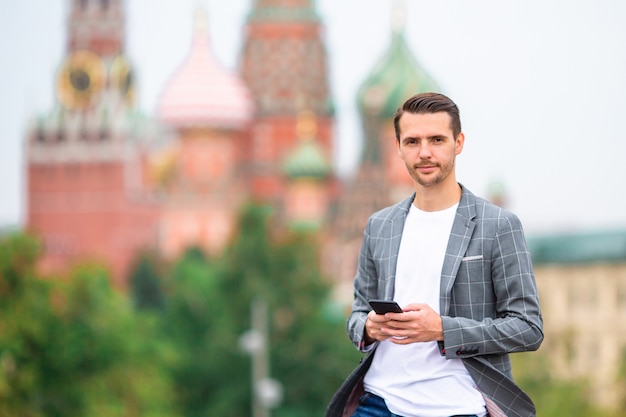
{"points": [[424, 151]]}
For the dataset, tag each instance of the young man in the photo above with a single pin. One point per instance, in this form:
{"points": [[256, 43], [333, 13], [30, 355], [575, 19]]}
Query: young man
{"points": [[460, 269]]}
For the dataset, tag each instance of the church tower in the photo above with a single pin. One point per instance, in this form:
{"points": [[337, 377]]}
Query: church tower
{"points": [[307, 201], [396, 77], [96, 26], [208, 111], [86, 194], [381, 178], [284, 63]]}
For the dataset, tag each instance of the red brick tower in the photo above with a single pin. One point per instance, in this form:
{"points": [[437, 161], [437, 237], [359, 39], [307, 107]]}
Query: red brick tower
{"points": [[283, 61], [86, 194]]}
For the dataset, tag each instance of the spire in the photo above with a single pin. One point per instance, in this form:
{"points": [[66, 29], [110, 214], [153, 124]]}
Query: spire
{"points": [[200, 22], [398, 16]]}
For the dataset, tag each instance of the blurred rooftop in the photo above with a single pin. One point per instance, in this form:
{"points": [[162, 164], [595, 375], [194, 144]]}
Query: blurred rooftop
{"points": [[577, 248]]}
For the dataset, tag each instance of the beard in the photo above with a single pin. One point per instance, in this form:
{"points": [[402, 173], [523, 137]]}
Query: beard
{"points": [[428, 180]]}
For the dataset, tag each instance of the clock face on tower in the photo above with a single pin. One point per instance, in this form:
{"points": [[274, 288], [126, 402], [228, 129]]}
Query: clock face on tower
{"points": [[80, 80], [121, 78]]}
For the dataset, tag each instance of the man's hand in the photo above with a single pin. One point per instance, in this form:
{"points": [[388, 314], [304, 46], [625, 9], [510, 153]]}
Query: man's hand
{"points": [[418, 323]]}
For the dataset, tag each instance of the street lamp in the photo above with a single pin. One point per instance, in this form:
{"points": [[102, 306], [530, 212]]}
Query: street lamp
{"points": [[267, 392]]}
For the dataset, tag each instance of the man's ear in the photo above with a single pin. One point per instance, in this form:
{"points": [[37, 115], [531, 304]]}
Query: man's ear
{"points": [[459, 142]]}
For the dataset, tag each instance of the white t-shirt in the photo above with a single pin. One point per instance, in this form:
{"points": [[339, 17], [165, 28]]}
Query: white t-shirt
{"points": [[414, 379]]}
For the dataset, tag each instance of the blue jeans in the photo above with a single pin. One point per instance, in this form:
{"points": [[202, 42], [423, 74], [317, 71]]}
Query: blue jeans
{"points": [[371, 405]]}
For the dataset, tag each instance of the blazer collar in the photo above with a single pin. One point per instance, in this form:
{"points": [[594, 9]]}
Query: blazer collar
{"points": [[462, 230], [466, 209], [467, 205]]}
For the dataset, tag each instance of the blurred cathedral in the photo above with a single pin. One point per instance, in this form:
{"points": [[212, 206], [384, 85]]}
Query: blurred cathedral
{"points": [[104, 181]]}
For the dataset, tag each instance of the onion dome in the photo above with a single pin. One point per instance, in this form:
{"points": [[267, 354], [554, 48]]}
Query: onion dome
{"points": [[307, 160], [396, 77], [202, 92]]}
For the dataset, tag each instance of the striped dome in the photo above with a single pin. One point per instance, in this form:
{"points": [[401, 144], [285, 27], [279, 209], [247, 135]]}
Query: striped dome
{"points": [[202, 92], [307, 161]]}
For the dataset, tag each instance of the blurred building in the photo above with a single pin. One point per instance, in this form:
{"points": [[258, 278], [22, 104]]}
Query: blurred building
{"points": [[284, 63], [582, 285], [207, 112], [87, 194], [105, 181]]}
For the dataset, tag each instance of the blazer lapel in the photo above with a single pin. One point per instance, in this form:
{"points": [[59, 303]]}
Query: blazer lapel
{"points": [[396, 219], [462, 229]]}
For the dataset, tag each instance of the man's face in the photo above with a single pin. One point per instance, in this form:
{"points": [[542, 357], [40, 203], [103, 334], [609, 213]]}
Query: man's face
{"points": [[428, 148]]}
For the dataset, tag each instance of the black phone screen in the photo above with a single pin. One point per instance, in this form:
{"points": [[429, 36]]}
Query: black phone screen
{"points": [[385, 306]]}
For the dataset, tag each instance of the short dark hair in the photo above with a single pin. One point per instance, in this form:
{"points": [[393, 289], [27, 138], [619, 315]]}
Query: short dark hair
{"points": [[429, 103]]}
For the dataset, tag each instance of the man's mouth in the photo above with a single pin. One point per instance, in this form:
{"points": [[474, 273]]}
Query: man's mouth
{"points": [[425, 168]]}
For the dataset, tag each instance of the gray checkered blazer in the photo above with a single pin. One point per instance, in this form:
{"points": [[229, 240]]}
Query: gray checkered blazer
{"points": [[489, 302]]}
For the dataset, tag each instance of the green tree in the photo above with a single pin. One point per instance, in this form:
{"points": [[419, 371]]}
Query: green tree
{"points": [[107, 353], [72, 346], [146, 283], [310, 353], [209, 369], [208, 310], [25, 316]]}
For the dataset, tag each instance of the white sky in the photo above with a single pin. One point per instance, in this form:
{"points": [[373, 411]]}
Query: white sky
{"points": [[541, 86]]}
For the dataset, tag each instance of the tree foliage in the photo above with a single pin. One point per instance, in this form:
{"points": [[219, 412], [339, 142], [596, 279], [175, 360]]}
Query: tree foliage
{"points": [[310, 353], [209, 372], [209, 311], [146, 283], [73, 346]]}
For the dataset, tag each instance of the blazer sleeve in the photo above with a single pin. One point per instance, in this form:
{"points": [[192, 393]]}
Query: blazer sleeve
{"points": [[365, 283], [512, 322]]}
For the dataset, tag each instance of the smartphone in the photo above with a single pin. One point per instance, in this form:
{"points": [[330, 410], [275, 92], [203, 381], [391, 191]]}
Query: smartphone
{"points": [[385, 306]]}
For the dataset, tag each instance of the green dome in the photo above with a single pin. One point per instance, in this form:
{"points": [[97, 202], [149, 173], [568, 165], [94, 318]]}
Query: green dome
{"points": [[307, 161], [298, 11], [396, 77]]}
